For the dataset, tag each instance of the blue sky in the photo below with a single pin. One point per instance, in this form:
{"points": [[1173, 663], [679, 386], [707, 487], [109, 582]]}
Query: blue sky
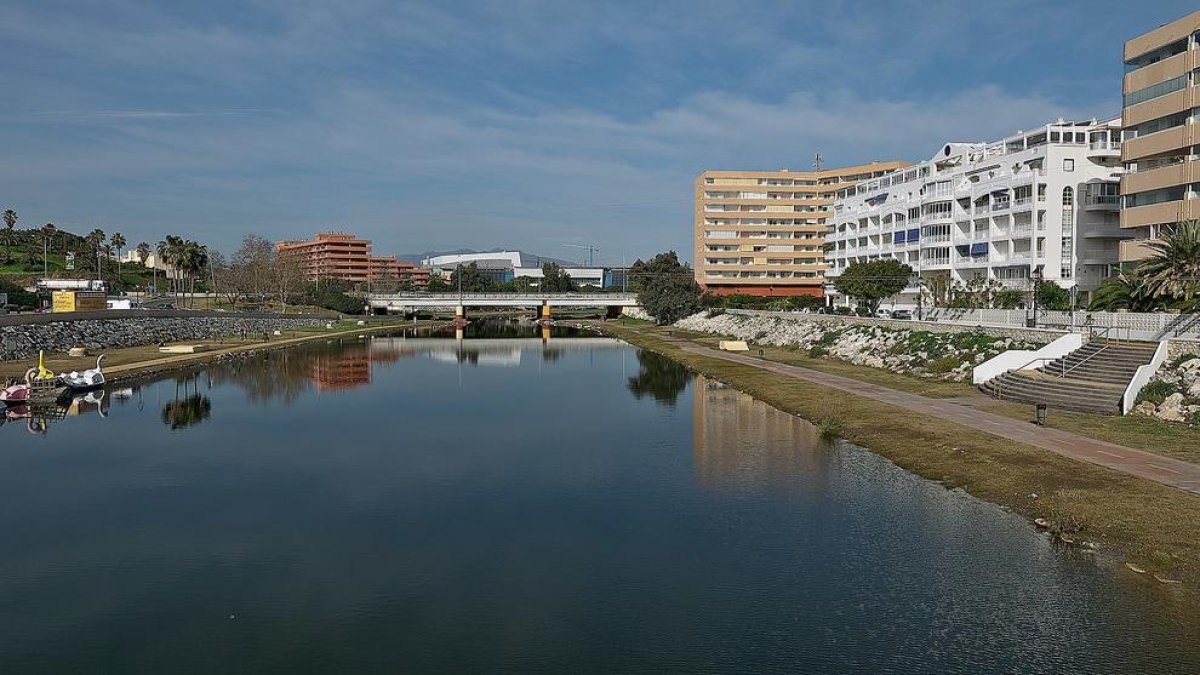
{"points": [[434, 125]]}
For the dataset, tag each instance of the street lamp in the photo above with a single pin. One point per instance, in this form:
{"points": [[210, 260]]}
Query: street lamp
{"points": [[1036, 277]]}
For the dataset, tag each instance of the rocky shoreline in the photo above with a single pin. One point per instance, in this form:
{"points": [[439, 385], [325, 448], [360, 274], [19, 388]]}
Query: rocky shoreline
{"points": [[943, 355], [24, 341]]}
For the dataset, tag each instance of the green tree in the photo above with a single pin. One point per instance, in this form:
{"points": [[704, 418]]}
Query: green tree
{"points": [[1051, 296], [1173, 269], [473, 280], [1008, 298], [870, 283], [437, 284], [665, 288], [556, 280], [10, 224]]}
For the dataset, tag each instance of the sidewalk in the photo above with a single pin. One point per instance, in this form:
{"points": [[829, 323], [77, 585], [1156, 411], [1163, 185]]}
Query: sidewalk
{"points": [[1175, 473]]}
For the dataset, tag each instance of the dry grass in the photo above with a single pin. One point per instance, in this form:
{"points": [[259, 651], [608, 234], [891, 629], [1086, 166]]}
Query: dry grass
{"points": [[1151, 524]]}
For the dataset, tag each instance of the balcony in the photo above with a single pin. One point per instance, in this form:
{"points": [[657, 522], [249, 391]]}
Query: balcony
{"points": [[1152, 214], [1101, 203], [1180, 173], [1000, 206], [1104, 148]]}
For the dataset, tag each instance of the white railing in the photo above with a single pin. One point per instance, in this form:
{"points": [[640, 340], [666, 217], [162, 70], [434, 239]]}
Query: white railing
{"points": [[1024, 359], [1142, 377]]}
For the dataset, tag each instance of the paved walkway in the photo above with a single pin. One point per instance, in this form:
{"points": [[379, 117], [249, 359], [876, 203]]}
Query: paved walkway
{"points": [[1175, 473]]}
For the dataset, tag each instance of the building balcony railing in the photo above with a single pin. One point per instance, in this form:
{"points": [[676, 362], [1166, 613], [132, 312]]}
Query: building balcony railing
{"points": [[1000, 206]]}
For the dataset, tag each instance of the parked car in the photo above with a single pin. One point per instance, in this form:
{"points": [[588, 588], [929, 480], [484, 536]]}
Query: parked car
{"points": [[882, 313], [902, 314]]}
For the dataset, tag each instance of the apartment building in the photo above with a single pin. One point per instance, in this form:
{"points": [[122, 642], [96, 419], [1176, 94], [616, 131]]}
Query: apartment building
{"points": [[1161, 117], [337, 255], [388, 268], [1045, 199], [763, 232]]}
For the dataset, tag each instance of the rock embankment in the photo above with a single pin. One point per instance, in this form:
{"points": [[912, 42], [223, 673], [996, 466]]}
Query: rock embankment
{"points": [[948, 355], [24, 341], [1174, 393]]}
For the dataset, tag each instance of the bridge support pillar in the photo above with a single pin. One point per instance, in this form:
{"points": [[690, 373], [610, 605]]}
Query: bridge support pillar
{"points": [[544, 317], [460, 316]]}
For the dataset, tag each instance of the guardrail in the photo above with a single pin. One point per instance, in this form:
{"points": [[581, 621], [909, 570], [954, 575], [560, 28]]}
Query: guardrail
{"points": [[1142, 377]]}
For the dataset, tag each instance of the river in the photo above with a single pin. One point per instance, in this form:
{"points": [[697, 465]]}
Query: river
{"points": [[512, 504]]}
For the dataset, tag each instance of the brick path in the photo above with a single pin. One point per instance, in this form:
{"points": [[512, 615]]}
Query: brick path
{"points": [[1175, 473]]}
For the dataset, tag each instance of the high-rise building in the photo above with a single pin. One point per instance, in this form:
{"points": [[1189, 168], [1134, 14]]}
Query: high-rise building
{"points": [[1042, 200], [762, 232], [1161, 118]]}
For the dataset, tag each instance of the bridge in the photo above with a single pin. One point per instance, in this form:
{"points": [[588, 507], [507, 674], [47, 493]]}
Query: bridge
{"points": [[407, 303]]}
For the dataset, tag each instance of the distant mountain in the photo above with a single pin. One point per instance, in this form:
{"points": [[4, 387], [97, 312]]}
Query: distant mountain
{"points": [[530, 258]]}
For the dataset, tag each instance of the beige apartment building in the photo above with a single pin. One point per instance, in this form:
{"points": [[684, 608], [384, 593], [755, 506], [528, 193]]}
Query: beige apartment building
{"points": [[1161, 120], [763, 232]]}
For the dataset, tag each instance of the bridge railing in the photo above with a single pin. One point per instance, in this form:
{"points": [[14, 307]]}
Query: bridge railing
{"points": [[502, 296]]}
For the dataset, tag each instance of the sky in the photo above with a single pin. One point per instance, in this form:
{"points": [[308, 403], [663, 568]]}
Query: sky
{"points": [[525, 124]]}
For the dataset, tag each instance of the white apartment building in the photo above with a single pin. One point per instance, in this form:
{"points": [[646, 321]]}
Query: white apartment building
{"points": [[1044, 199]]}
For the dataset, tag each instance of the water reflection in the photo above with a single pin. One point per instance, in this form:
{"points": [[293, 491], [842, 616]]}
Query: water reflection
{"points": [[741, 443], [187, 410], [38, 417], [659, 377]]}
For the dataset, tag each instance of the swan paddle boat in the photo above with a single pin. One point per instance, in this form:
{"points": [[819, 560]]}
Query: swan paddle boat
{"points": [[92, 378]]}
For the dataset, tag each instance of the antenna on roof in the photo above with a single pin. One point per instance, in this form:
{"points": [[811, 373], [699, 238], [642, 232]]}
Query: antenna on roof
{"points": [[817, 162]]}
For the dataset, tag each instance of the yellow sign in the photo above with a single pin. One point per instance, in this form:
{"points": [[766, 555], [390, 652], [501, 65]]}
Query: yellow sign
{"points": [[79, 301]]}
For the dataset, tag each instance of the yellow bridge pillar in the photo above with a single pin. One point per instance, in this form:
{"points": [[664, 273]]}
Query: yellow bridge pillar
{"points": [[545, 315]]}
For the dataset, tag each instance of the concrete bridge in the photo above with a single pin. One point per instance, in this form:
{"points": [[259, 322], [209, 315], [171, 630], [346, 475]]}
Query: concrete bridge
{"points": [[407, 303]]}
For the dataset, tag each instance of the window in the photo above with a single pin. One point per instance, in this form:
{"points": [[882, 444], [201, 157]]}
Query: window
{"points": [[1068, 197], [1155, 90], [1068, 165]]}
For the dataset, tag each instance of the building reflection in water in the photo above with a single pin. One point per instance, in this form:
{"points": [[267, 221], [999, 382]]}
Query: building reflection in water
{"points": [[743, 444]]}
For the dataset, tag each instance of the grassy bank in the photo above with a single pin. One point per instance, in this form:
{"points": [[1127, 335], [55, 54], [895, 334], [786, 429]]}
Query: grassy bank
{"points": [[1178, 441], [1150, 525]]}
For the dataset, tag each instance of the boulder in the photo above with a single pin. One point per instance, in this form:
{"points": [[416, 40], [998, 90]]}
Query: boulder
{"points": [[1171, 409], [1145, 408]]}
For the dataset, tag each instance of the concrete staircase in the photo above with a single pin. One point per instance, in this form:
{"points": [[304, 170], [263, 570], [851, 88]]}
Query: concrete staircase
{"points": [[1090, 379]]}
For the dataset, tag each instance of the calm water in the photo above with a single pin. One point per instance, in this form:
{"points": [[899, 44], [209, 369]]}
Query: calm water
{"points": [[509, 505]]}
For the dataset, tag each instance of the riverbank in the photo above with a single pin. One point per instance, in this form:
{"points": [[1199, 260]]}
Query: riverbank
{"points": [[139, 361], [1151, 526]]}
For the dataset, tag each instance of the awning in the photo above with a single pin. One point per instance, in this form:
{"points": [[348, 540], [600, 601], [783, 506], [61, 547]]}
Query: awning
{"points": [[898, 238], [914, 234], [979, 249]]}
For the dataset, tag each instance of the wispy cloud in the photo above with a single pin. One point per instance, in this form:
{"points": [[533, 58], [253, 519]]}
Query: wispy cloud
{"points": [[505, 122]]}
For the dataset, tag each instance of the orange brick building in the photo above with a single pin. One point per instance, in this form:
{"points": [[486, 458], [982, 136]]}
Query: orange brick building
{"points": [[337, 255]]}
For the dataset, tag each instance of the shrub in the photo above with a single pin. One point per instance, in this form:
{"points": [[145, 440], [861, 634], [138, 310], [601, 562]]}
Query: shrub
{"points": [[830, 426], [1156, 392], [714, 312], [817, 352], [944, 364], [1182, 359]]}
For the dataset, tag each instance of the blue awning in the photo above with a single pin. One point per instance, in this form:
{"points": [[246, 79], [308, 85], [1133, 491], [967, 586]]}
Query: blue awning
{"points": [[979, 249], [914, 234], [898, 238]]}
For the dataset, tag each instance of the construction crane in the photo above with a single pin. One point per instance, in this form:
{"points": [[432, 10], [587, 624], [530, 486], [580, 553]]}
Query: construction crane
{"points": [[591, 252]]}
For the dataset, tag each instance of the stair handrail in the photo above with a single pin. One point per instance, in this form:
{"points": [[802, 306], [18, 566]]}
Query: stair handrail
{"points": [[999, 379], [1085, 359]]}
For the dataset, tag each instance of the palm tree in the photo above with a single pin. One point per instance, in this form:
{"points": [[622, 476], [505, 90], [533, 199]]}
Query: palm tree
{"points": [[1173, 269], [1124, 291], [95, 242], [193, 258], [169, 251], [143, 254], [118, 242], [10, 223]]}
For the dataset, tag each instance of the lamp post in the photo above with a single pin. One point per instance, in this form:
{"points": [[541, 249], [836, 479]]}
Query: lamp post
{"points": [[1036, 278]]}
